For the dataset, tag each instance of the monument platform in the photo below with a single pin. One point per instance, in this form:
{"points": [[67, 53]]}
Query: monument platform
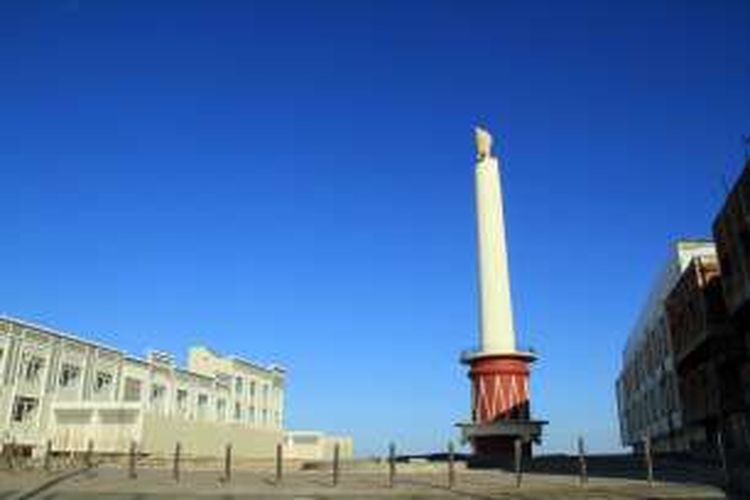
{"points": [[494, 443]]}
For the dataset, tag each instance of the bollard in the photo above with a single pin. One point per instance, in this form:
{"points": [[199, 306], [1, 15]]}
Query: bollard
{"points": [[48, 456], [649, 460], [336, 464], [279, 463], [12, 455], [582, 462], [451, 465], [391, 465], [228, 463], [723, 457], [89, 458], [176, 465], [131, 461], [517, 453]]}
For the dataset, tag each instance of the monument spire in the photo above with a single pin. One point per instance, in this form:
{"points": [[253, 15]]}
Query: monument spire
{"points": [[496, 314]]}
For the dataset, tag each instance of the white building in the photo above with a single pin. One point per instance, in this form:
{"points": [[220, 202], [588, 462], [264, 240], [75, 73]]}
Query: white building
{"points": [[647, 388], [315, 445], [55, 386]]}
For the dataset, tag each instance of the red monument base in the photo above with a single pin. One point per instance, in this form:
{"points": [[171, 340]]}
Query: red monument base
{"points": [[500, 410]]}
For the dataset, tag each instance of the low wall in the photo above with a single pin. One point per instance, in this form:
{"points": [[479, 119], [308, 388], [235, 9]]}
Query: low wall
{"points": [[110, 429], [206, 439]]}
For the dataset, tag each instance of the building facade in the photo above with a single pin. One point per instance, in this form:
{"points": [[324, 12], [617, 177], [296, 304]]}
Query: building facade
{"points": [[690, 347], [700, 336], [55, 386], [731, 230], [648, 397]]}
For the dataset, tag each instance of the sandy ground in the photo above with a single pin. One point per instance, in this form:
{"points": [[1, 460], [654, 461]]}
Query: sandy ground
{"points": [[412, 481]]}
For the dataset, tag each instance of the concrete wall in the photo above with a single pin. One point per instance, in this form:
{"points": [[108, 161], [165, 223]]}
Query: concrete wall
{"points": [[111, 427], [207, 438], [314, 445]]}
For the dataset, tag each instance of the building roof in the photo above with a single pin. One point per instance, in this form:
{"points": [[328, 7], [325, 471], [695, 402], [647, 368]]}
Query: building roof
{"points": [[130, 357], [273, 367], [58, 333], [681, 254]]}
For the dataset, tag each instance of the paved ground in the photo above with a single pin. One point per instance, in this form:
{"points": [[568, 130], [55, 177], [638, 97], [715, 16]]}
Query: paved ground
{"points": [[413, 481]]}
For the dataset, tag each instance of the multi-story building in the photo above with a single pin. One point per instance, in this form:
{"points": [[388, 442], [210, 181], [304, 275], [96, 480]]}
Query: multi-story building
{"points": [[648, 398], [702, 303], [55, 386], [701, 338], [731, 230]]}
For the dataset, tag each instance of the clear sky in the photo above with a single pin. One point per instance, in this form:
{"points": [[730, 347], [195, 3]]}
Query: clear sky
{"points": [[293, 182]]}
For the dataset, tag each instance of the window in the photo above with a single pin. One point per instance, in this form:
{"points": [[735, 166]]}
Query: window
{"points": [[132, 389], [157, 392], [221, 409], [182, 396], [726, 264], [252, 388], [238, 386], [251, 414], [102, 382], [202, 406], [69, 375], [238, 411], [33, 368], [224, 379], [24, 409]]}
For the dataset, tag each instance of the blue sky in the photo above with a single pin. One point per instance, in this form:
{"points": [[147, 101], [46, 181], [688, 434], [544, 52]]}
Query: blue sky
{"points": [[292, 181]]}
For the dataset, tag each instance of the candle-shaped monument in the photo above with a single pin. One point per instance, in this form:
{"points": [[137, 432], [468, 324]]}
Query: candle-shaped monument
{"points": [[500, 412]]}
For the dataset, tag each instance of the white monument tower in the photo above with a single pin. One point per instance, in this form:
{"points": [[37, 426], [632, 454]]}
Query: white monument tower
{"points": [[496, 312], [501, 424]]}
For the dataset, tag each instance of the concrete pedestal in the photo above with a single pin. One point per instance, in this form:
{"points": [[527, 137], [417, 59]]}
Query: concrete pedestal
{"points": [[500, 407]]}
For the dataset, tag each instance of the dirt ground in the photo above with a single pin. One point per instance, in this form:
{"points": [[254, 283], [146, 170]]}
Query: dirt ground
{"points": [[368, 481]]}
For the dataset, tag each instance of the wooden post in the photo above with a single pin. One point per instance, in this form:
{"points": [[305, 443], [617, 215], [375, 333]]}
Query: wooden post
{"points": [[649, 460], [336, 464], [12, 454], [48, 456], [391, 465], [518, 451], [723, 458], [176, 465], [132, 474], [582, 461], [451, 465], [228, 463], [89, 458], [279, 463]]}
